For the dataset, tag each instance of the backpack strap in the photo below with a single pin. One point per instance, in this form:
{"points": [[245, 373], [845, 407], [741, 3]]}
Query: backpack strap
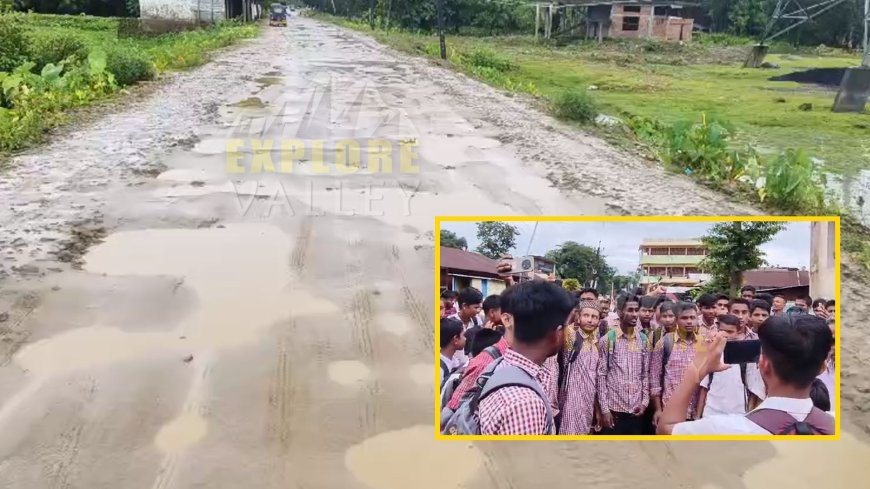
{"points": [[446, 370], [513, 376], [778, 422], [493, 352]]}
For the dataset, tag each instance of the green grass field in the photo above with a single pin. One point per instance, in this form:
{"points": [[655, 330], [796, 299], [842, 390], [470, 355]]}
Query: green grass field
{"points": [[672, 82]]}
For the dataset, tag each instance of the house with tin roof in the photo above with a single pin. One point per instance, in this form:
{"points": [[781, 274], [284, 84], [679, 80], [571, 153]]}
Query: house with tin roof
{"points": [[460, 269]]}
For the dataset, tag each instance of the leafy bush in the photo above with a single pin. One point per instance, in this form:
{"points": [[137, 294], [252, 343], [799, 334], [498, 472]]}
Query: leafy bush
{"points": [[792, 181], [487, 58], [13, 43], [129, 65], [702, 148], [54, 47], [575, 105]]}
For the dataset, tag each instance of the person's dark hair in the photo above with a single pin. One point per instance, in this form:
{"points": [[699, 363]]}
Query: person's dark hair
{"points": [[764, 296], [648, 302], [729, 319], [747, 287], [796, 346], [668, 306], [806, 298], [624, 299], [820, 395], [831, 303], [449, 294], [491, 302], [781, 296], [723, 297], [738, 300], [469, 295], [589, 290], [558, 282], [706, 300], [759, 304], [537, 309], [817, 303], [484, 339], [450, 329], [661, 300], [683, 306]]}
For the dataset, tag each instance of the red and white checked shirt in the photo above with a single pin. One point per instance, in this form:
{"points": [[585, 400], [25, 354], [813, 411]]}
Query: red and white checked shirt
{"points": [[516, 410], [682, 353], [577, 399], [475, 367], [624, 387]]}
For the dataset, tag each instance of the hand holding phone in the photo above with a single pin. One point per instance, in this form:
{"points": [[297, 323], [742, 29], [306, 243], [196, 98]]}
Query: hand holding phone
{"points": [[742, 351]]}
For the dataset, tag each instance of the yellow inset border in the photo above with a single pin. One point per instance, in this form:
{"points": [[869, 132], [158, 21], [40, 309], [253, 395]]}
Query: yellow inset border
{"points": [[436, 315]]}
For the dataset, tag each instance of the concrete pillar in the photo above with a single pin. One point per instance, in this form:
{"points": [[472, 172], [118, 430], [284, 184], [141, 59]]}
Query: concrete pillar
{"points": [[756, 56], [854, 90]]}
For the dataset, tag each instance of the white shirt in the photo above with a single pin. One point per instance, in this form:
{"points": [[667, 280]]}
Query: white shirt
{"points": [[827, 377], [738, 424], [451, 365], [725, 394]]}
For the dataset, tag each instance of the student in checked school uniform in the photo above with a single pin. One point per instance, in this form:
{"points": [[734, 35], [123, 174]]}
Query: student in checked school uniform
{"points": [[537, 312], [577, 379], [623, 372], [671, 357], [707, 304]]}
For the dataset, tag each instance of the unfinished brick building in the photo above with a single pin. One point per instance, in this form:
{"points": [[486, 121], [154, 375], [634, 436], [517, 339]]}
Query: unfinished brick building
{"points": [[638, 20]]}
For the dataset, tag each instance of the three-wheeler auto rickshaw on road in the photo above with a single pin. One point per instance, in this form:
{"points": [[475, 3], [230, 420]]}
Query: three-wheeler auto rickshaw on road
{"points": [[278, 15]]}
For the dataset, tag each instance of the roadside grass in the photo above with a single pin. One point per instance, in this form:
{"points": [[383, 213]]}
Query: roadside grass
{"points": [[693, 107], [49, 72]]}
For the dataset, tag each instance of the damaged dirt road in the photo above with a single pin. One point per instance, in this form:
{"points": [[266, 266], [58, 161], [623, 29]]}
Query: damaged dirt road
{"points": [[230, 329]]}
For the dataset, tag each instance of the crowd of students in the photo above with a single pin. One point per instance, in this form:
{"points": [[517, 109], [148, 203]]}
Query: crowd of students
{"points": [[537, 359]]}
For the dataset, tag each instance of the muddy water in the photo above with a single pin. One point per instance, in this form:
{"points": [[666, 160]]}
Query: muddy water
{"points": [[273, 329]]}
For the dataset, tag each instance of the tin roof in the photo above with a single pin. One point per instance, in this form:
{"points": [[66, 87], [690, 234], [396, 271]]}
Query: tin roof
{"points": [[671, 242], [468, 261], [776, 278]]}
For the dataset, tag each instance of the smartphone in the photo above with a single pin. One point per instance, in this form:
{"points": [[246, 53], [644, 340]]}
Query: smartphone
{"points": [[744, 351]]}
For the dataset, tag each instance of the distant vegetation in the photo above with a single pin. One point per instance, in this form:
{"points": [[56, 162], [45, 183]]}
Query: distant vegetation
{"points": [[841, 26], [52, 63]]}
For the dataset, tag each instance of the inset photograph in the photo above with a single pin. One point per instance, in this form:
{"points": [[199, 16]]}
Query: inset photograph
{"points": [[637, 327]]}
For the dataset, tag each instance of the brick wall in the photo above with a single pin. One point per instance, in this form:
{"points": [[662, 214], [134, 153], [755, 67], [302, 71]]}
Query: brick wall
{"points": [[669, 28]]}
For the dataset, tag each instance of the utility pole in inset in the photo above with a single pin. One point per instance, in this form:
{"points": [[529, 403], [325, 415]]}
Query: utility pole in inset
{"points": [[866, 61], [439, 5], [372, 14]]}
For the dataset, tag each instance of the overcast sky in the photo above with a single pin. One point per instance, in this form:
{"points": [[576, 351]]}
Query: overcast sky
{"points": [[620, 240]]}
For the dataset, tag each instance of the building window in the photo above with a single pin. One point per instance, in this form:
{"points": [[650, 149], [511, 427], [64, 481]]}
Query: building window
{"points": [[631, 8], [660, 11], [630, 23]]}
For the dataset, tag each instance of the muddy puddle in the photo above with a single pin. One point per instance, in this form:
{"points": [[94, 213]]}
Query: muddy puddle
{"points": [[412, 458]]}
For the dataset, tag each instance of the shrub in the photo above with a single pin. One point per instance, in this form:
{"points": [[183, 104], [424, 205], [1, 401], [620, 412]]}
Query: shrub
{"points": [[54, 47], [13, 43], [128, 65], [792, 181], [575, 105], [487, 58]]}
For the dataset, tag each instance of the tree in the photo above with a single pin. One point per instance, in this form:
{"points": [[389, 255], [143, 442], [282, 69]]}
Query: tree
{"points": [[733, 248], [451, 240], [496, 238], [571, 284], [583, 263]]}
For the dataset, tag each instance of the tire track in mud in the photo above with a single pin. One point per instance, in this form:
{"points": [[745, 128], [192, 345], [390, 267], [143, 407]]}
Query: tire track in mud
{"points": [[360, 314], [284, 393], [415, 308], [70, 441], [300, 250], [167, 473], [500, 478]]}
